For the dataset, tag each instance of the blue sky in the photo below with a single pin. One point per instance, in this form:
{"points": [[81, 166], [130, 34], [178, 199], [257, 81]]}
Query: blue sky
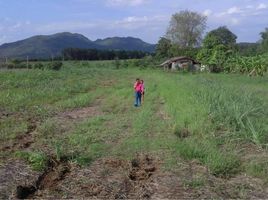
{"points": [[146, 19]]}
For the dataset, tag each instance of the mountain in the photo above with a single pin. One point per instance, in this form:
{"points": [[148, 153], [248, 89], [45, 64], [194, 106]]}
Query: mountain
{"points": [[45, 46], [125, 43]]}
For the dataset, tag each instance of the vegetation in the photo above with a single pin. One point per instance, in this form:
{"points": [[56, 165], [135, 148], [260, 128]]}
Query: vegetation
{"points": [[51, 46], [94, 54], [186, 28], [218, 115]]}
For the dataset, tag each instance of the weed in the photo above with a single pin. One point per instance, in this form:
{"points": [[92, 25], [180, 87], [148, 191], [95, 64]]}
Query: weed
{"points": [[37, 160]]}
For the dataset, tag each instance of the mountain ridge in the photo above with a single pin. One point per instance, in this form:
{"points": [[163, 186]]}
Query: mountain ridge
{"points": [[45, 46]]}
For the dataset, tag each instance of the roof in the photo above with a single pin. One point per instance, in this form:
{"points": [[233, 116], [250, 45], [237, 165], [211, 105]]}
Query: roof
{"points": [[179, 58]]}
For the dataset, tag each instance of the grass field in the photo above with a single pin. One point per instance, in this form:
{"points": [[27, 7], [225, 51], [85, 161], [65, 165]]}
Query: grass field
{"points": [[203, 135]]}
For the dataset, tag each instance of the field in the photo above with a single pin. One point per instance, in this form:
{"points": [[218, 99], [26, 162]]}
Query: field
{"points": [[75, 133]]}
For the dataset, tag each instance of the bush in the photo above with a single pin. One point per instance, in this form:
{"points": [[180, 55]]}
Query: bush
{"points": [[10, 66], [56, 65], [38, 66]]}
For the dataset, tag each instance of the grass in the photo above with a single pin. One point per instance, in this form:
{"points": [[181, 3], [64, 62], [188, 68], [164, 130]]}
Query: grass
{"points": [[193, 116]]}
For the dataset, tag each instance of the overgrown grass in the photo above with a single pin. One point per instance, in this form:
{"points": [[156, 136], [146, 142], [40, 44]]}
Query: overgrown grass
{"points": [[192, 116]]}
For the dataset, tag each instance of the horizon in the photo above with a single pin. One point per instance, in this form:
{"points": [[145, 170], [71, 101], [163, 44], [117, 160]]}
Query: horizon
{"points": [[126, 18]]}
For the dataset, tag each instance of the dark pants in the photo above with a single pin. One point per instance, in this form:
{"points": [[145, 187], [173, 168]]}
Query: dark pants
{"points": [[137, 99]]}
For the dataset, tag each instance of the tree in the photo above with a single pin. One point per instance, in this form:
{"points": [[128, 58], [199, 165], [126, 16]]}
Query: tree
{"points": [[264, 41], [186, 28], [163, 47], [217, 47], [221, 35]]}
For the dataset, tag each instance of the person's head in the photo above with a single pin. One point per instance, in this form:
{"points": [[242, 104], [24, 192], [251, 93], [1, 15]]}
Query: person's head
{"points": [[137, 80], [141, 81]]}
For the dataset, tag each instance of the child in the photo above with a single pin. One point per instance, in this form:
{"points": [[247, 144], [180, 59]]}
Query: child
{"points": [[142, 91], [137, 88]]}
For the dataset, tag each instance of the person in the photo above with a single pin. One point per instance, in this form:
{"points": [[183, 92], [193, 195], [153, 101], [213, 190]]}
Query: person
{"points": [[142, 91], [137, 88]]}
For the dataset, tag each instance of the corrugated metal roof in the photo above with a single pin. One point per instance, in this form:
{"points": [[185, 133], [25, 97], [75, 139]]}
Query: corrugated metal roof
{"points": [[179, 58]]}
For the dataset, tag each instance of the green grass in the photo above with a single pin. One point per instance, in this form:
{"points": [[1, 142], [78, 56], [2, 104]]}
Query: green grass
{"points": [[206, 117]]}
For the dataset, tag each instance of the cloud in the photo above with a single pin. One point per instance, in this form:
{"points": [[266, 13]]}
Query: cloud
{"points": [[125, 2], [261, 6], [134, 22], [207, 12], [234, 10]]}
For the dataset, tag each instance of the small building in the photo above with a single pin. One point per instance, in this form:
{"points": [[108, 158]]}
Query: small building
{"points": [[181, 63]]}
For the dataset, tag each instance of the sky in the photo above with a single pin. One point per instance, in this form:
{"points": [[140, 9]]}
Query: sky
{"points": [[145, 19]]}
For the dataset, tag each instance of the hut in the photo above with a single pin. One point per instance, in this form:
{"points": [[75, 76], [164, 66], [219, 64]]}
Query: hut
{"points": [[181, 63]]}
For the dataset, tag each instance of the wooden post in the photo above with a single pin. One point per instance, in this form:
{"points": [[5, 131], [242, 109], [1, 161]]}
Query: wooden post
{"points": [[27, 62]]}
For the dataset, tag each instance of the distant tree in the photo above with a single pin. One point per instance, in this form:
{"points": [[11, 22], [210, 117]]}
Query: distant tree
{"points": [[221, 35], [248, 49], [217, 47], [186, 28], [163, 47], [264, 41]]}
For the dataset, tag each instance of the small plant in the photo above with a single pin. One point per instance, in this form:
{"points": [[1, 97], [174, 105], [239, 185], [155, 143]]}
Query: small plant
{"points": [[117, 63], [181, 132], [37, 160], [56, 65], [38, 66]]}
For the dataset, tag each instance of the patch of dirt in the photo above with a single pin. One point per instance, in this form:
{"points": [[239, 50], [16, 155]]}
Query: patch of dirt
{"points": [[140, 178], [22, 141], [80, 113], [13, 173], [55, 172]]}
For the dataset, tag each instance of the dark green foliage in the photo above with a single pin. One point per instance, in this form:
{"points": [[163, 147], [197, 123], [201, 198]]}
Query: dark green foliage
{"points": [[163, 48], [94, 54], [218, 46], [38, 65], [125, 43], [175, 50], [264, 41], [117, 63], [221, 35], [248, 49], [56, 65]]}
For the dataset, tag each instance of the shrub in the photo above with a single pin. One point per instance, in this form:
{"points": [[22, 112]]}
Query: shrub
{"points": [[56, 65], [10, 66], [38, 66]]}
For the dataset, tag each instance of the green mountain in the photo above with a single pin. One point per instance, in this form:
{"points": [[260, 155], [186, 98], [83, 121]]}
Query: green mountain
{"points": [[125, 43], [46, 46]]}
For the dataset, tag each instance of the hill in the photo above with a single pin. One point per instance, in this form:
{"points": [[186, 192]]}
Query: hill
{"points": [[45, 46], [125, 43]]}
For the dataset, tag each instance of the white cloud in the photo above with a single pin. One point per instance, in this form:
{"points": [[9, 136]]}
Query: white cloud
{"points": [[135, 22], [234, 10], [261, 6], [207, 12], [126, 2]]}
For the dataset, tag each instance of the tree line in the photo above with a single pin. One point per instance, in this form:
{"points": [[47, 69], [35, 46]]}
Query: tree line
{"points": [[95, 54], [216, 50]]}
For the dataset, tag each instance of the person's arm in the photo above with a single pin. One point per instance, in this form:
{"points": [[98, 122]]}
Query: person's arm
{"points": [[135, 85]]}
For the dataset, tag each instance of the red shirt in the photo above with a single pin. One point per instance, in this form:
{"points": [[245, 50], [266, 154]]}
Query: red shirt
{"points": [[138, 87]]}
